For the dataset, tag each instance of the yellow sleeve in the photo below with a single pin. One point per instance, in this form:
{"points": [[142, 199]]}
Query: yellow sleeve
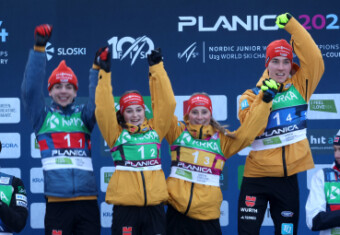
{"points": [[176, 129], [254, 120], [312, 67], [162, 98], [245, 103], [105, 109]]}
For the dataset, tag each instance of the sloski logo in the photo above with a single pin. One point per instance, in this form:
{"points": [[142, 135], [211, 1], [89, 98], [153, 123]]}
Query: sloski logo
{"points": [[49, 51]]}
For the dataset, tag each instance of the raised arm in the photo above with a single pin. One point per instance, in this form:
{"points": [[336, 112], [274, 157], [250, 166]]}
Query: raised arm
{"points": [[33, 82], [312, 67], [162, 96], [105, 106], [88, 113]]}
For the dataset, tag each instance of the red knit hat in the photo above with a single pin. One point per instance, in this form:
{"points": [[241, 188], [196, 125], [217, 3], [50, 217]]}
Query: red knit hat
{"points": [[130, 99], [279, 48], [62, 74], [197, 100]]}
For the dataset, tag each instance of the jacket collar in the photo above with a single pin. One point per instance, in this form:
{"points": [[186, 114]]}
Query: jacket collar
{"points": [[203, 132], [57, 107], [144, 127], [336, 167]]}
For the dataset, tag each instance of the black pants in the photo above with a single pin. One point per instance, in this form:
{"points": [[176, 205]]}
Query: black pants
{"points": [[179, 224], [136, 220], [74, 217], [282, 193]]}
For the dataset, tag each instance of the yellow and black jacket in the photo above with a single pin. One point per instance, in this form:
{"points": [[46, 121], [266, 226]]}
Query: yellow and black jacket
{"points": [[296, 157], [202, 201], [136, 188]]}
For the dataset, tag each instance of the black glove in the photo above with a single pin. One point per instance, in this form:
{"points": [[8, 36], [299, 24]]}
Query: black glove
{"points": [[96, 57], [270, 88], [155, 57], [103, 59], [42, 34]]}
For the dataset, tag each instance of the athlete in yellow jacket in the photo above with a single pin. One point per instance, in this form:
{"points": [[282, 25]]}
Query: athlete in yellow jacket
{"points": [[137, 188], [199, 149], [281, 150]]}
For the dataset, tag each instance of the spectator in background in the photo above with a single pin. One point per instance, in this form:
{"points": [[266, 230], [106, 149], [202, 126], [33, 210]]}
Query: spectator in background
{"points": [[63, 131], [323, 203], [281, 150]]}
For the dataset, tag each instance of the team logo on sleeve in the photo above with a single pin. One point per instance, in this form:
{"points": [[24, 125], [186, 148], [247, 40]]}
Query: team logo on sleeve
{"points": [[21, 200], [244, 104], [21, 190]]}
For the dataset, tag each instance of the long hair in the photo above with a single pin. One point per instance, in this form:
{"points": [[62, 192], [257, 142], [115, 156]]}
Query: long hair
{"points": [[213, 122], [120, 117]]}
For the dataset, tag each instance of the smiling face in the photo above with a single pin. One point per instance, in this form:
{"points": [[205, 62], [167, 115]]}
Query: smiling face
{"points": [[279, 68], [134, 114], [63, 93], [199, 116]]}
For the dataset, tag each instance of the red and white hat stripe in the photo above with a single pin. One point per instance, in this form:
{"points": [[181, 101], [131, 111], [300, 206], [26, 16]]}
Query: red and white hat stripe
{"points": [[130, 99], [198, 100]]}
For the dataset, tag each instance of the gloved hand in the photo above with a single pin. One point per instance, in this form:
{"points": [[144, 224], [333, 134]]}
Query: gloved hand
{"points": [[97, 56], [282, 20], [103, 59], [42, 34], [270, 87], [155, 57]]}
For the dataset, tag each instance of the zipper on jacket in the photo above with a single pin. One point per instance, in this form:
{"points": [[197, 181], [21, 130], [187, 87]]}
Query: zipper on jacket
{"points": [[284, 161], [200, 135], [190, 199], [306, 90], [143, 179]]}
